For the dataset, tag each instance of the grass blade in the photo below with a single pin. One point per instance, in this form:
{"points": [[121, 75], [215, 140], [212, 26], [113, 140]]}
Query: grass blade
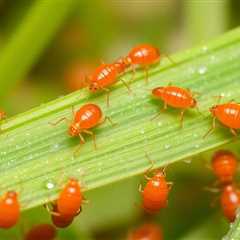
{"points": [[34, 153], [25, 46]]}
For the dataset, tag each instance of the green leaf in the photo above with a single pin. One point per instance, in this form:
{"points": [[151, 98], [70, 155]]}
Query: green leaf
{"points": [[34, 153], [32, 36], [234, 232]]}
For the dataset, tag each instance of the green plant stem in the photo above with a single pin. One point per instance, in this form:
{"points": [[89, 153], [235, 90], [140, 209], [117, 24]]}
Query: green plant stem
{"points": [[32, 36]]}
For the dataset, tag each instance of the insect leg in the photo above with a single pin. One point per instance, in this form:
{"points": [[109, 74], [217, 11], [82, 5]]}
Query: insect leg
{"points": [[93, 137], [211, 129]]}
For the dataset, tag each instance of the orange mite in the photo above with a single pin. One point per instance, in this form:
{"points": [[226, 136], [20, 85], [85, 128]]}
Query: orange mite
{"points": [[228, 114], [87, 117], [230, 201], [143, 55], [120, 65], [175, 97], [70, 199], [155, 193], [9, 209], [224, 165], [148, 231], [59, 220], [41, 232], [103, 77]]}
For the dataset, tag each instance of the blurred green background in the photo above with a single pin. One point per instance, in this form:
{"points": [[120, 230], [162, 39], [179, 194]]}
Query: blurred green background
{"points": [[53, 62]]}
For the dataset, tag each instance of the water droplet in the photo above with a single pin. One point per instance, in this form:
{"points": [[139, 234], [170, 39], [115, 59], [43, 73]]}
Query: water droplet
{"points": [[50, 185], [159, 124], [142, 131], [202, 70], [167, 146]]}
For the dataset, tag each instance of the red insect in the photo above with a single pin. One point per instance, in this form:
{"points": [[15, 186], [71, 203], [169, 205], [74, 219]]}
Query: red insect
{"points": [[155, 193], [230, 201], [88, 116], [224, 165], [103, 77], [59, 220], [143, 55], [176, 97], [9, 209], [41, 232], [120, 65], [148, 231], [70, 199], [228, 114]]}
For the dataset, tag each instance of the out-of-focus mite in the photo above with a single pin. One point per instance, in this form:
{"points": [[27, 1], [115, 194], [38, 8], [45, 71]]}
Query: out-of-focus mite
{"points": [[230, 201], [148, 231], [9, 210], [224, 165], [41, 232], [2, 115]]}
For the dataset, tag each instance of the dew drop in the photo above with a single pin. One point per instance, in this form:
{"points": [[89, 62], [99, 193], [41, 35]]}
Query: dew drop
{"points": [[202, 70], [50, 185], [55, 146], [167, 146], [142, 131]]}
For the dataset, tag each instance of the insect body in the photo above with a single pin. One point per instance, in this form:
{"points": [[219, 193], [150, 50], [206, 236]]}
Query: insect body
{"points": [[146, 232], [87, 117], [104, 76], [175, 97], [9, 209], [70, 199], [224, 165], [228, 114], [59, 220], [41, 232], [230, 201], [155, 193], [143, 55], [120, 65]]}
